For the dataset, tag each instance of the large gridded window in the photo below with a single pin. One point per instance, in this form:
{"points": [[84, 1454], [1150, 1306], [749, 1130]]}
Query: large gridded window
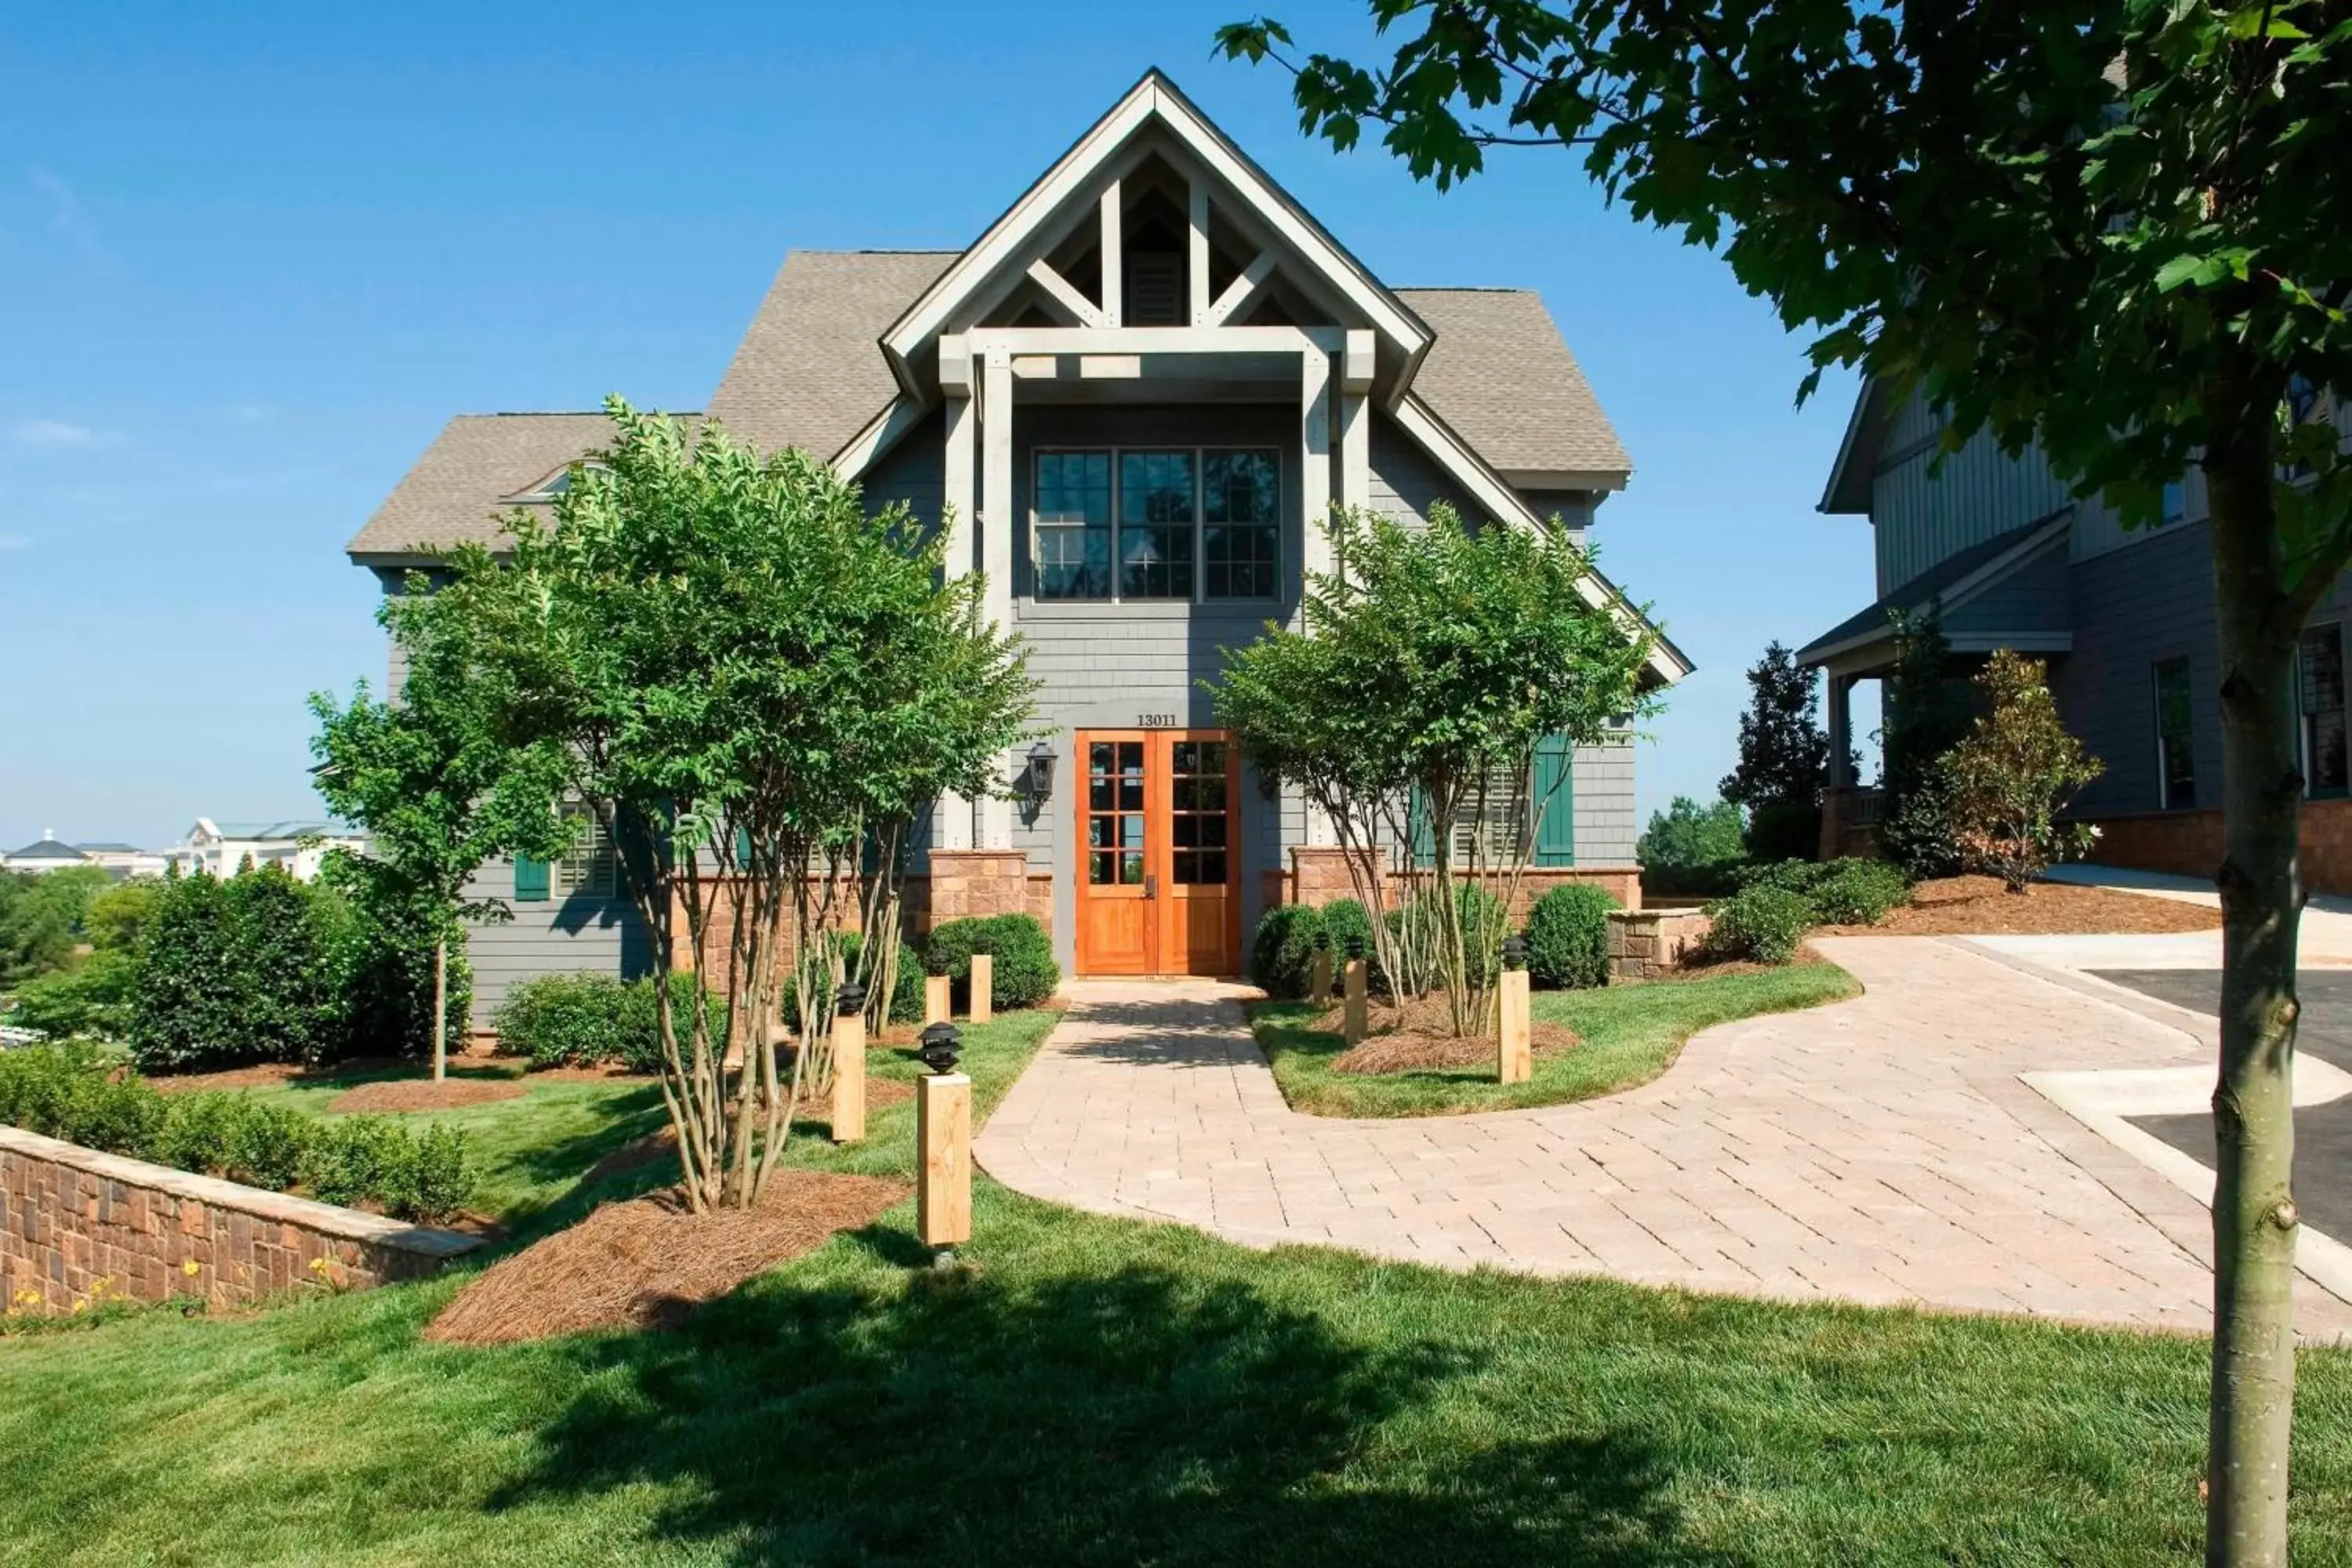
{"points": [[2175, 761], [2319, 691], [1183, 523], [1072, 525]]}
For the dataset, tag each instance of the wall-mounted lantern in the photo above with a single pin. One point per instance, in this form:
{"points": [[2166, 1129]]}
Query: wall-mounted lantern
{"points": [[1036, 782]]}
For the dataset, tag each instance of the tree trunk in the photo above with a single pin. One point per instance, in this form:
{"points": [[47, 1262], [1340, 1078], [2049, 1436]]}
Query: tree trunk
{"points": [[441, 1009], [2258, 615]]}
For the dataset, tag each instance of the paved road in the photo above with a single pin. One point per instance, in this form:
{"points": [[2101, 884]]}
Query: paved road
{"points": [[1882, 1150], [2322, 1133]]}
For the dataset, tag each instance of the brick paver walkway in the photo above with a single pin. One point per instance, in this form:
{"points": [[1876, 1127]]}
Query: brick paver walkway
{"points": [[1880, 1150]]}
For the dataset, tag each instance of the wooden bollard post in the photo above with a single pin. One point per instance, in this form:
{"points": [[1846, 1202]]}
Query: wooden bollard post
{"points": [[1352, 1019], [938, 993], [1515, 1051], [943, 1135], [983, 988], [849, 1064], [1318, 978]]}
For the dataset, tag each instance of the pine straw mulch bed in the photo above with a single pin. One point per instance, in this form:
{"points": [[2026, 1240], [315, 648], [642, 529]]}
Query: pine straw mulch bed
{"points": [[423, 1094], [1420, 1035], [649, 1262], [270, 1075], [660, 1147], [1979, 906]]}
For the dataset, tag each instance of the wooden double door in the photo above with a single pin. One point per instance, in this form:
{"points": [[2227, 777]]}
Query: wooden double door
{"points": [[1159, 871]]}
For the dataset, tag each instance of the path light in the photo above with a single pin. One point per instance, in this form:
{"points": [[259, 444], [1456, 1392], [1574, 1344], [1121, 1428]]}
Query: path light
{"points": [[1515, 951], [849, 1063], [941, 1049], [1354, 1016], [1355, 949], [1318, 974], [1515, 1024]]}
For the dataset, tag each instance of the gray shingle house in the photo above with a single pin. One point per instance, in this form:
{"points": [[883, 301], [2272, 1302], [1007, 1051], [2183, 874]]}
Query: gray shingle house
{"points": [[2125, 619], [1127, 398]]}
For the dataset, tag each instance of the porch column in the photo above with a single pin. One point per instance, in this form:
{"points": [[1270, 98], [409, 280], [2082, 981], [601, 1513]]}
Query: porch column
{"points": [[997, 532], [1356, 420], [951, 826], [1315, 504], [1840, 690]]}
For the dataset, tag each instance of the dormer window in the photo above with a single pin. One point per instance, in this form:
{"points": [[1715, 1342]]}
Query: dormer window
{"points": [[554, 485]]}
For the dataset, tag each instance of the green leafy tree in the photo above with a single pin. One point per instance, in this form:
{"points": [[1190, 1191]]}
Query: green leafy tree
{"points": [[748, 677], [2113, 228], [41, 920], [93, 996], [1414, 699], [1688, 836], [441, 785], [2014, 773]]}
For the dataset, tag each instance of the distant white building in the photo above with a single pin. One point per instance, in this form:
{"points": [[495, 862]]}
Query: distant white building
{"points": [[222, 848], [49, 853]]}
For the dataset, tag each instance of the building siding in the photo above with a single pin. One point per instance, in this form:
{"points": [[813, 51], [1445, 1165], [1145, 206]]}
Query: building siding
{"points": [[564, 935], [2132, 608], [1924, 512]]}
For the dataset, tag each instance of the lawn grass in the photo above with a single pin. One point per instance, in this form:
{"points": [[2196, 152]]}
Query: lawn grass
{"points": [[1630, 1034], [1108, 1392]]}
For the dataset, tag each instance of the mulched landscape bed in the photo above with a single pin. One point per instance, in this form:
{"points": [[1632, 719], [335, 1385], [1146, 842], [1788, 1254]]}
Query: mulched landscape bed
{"points": [[649, 1262], [269, 1075], [1979, 906], [424, 1094], [1419, 1035], [661, 1147]]}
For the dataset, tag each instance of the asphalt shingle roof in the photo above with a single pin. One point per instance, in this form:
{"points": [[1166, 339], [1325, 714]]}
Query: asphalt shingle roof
{"points": [[1500, 373], [810, 373]]}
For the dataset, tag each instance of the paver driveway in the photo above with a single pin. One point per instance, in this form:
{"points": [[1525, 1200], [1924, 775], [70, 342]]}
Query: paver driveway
{"points": [[1880, 1150]]}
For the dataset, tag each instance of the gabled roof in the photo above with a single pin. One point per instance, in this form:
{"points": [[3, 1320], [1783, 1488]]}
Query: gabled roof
{"points": [[1026, 227], [46, 849], [1950, 584]]}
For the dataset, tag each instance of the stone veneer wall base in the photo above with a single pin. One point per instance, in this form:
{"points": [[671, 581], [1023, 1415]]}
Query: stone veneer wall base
{"points": [[78, 1226]]}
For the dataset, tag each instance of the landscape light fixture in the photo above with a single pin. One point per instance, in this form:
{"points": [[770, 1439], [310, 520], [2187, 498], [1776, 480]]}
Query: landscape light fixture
{"points": [[940, 1052], [1355, 948], [1515, 951], [1037, 782], [850, 1000]]}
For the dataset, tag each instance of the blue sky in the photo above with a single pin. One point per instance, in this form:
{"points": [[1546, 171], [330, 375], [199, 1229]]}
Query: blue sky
{"points": [[251, 257]]}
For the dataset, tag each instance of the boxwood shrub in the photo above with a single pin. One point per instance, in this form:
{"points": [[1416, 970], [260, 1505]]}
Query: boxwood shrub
{"points": [[1025, 973], [1282, 951], [1568, 937], [593, 1019], [1763, 923]]}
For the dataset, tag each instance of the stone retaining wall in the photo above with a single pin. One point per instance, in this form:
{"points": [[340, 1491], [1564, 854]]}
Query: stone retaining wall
{"points": [[1647, 944], [77, 1226]]}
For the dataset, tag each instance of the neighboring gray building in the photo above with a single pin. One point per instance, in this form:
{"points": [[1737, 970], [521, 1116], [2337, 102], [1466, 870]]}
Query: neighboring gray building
{"points": [[1127, 399], [2125, 619]]}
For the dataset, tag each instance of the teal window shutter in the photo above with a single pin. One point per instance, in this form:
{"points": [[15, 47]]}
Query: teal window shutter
{"points": [[530, 880], [742, 847], [1555, 795], [1424, 845]]}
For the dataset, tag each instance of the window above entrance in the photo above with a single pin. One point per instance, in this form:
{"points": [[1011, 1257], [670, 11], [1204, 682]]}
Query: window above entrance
{"points": [[1181, 523]]}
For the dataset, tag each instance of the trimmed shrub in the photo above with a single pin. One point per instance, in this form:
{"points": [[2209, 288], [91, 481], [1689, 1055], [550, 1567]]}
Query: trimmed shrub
{"points": [[1282, 952], [264, 1144], [198, 1131], [1762, 923], [906, 997], [1344, 918], [1854, 892], [1025, 973], [567, 1020], [119, 1115], [1568, 937], [348, 1159], [442, 1175]]}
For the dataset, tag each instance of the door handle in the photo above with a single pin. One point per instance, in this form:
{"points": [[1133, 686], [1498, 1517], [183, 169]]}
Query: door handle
{"points": [[1150, 887]]}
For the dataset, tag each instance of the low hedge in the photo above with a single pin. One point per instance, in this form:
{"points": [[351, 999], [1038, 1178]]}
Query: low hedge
{"points": [[589, 1019], [1025, 973], [1568, 937], [424, 1177], [1762, 923], [1848, 891]]}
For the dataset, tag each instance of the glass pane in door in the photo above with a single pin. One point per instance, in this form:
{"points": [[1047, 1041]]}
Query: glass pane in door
{"points": [[1115, 814], [1202, 812]]}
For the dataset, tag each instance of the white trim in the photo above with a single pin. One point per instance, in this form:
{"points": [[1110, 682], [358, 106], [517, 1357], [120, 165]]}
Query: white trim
{"points": [[1567, 478], [883, 431], [1196, 253], [1148, 102], [1057, 289], [1114, 255], [1159, 340], [1242, 289]]}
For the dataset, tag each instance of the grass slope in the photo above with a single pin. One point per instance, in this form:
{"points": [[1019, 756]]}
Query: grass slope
{"points": [[1631, 1034], [1106, 1392]]}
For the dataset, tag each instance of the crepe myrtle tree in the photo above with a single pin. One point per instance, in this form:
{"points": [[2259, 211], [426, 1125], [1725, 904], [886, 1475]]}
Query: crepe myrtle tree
{"points": [[2115, 228], [439, 785], [1425, 675], [747, 675]]}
